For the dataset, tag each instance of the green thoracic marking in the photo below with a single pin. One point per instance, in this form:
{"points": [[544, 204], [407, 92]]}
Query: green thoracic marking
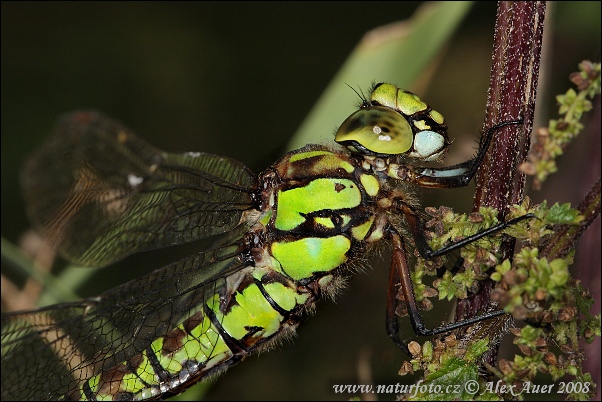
{"points": [[318, 195], [300, 259], [324, 221], [359, 232], [370, 183], [265, 218], [304, 155], [325, 162], [346, 219]]}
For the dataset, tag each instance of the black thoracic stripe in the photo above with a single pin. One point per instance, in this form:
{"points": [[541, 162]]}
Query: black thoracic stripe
{"points": [[156, 365], [271, 301], [91, 396], [234, 346]]}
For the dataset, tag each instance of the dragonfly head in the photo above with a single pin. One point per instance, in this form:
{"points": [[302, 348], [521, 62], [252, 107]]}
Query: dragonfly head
{"points": [[395, 122]]}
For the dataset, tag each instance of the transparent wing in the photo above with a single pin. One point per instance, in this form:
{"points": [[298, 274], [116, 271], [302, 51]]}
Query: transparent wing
{"points": [[99, 193], [47, 354]]}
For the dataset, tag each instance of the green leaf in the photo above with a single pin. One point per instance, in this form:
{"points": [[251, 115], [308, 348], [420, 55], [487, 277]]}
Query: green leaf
{"points": [[453, 371], [563, 214]]}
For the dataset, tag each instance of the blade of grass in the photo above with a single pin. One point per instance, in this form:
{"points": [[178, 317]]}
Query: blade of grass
{"points": [[57, 288], [400, 53]]}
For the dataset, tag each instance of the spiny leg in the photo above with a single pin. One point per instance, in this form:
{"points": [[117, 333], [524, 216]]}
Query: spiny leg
{"points": [[418, 229], [454, 268], [400, 274], [398, 259]]}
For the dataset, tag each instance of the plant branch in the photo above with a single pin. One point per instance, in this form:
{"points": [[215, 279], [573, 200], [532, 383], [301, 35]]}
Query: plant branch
{"points": [[511, 96], [563, 239]]}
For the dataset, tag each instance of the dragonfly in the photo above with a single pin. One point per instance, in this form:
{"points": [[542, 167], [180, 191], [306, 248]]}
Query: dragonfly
{"points": [[287, 238]]}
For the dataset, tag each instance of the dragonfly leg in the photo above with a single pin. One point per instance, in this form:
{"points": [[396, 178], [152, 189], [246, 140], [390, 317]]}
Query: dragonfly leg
{"points": [[400, 276], [453, 270], [417, 229], [399, 265]]}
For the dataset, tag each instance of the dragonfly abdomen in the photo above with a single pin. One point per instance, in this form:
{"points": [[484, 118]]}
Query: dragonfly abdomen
{"points": [[231, 325]]}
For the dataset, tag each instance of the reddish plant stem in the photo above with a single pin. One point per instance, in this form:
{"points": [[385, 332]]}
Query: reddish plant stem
{"points": [[511, 96]]}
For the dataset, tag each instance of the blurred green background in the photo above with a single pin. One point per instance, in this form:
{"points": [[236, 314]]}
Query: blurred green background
{"points": [[237, 79]]}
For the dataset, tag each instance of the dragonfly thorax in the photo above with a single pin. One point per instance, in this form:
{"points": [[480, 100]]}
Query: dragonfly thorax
{"points": [[322, 212]]}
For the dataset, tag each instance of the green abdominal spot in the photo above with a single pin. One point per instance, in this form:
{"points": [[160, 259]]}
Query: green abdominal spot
{"points": [[300, 259], [251, 311]]}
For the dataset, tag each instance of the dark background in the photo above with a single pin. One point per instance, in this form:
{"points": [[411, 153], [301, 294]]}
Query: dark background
{"points": [[237, 79]]}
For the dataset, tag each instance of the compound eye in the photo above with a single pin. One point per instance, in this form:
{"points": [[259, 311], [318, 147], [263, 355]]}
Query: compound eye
{"points": [[376, 129]]}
